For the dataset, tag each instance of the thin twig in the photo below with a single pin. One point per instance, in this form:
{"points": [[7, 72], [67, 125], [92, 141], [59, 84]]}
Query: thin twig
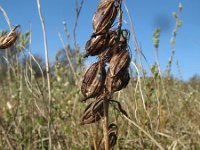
{"points": [[6, 17], [47, 73], [146, 133], [78, 10], [68, 57], [6, 137]]}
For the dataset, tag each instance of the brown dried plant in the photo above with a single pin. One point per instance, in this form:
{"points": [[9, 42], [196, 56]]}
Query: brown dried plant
{"points": [[9, 38], [111, 47]]}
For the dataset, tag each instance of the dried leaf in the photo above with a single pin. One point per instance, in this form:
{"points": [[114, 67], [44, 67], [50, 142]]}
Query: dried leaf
{"points": [[119, 107]]}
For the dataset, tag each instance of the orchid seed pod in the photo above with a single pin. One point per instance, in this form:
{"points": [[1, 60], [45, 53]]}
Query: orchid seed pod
{"points": [[119, 62], [117, 44], [114, 38], [9, 38], [93, 81], [105, 15], [117, 82], [112, 133], [96, 45], [93, 112]]}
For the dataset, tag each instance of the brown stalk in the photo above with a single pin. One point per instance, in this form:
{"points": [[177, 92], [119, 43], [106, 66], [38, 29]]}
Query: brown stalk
{"points": [[105, 124]]}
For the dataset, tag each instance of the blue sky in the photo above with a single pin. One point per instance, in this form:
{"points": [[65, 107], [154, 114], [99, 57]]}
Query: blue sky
{"points": [[147, 15]]}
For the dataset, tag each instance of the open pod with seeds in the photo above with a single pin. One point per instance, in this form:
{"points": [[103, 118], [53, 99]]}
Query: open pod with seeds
{"points": [[93, 80], [93, 112], [119, 62], [105, 15], [118, 82], [112, 134], [9, 38]]}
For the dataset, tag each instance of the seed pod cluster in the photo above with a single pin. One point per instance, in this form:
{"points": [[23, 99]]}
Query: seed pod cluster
{"points": [[9, 38], [100, 82], [111, 47]]}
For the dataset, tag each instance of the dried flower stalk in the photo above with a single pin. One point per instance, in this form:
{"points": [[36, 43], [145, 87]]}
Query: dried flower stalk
{"points": [[111, 47]]}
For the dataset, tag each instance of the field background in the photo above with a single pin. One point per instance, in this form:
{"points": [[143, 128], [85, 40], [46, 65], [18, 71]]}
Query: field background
{"points": [[163, 109]]}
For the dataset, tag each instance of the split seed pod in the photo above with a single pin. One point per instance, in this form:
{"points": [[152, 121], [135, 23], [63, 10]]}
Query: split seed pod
{"points": [[113, 34], [116, 44], [96, 45], [112, 133], [119, 62], [93, 81], [105, 15], [9, 38], [117, 82], [93, 112]]}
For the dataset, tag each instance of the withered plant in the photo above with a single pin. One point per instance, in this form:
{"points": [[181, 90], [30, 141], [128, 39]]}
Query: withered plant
{"points": [[111, 47]]}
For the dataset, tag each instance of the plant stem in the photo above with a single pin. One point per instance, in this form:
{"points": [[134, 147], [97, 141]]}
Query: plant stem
{"points": [[48, 74], [105, 124]]}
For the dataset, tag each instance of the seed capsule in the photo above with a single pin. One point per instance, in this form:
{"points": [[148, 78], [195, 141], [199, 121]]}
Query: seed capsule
{"points": [[93, 112], [9, 38], [96, 45], [119, 62], [93, 81], [117, 82], [116, 44], [105, 15], [112, 134]]}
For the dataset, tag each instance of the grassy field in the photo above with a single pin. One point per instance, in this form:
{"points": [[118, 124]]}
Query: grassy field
{"points": [[163, 111]]}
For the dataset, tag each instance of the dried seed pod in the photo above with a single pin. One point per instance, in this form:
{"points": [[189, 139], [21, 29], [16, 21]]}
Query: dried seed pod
{"points": [[117, 82], [96, 45], [93, 81], [9, 38], [105, 15], [119, 62], [93, 112], [112, 134], [113, 37], [116, 44]]}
